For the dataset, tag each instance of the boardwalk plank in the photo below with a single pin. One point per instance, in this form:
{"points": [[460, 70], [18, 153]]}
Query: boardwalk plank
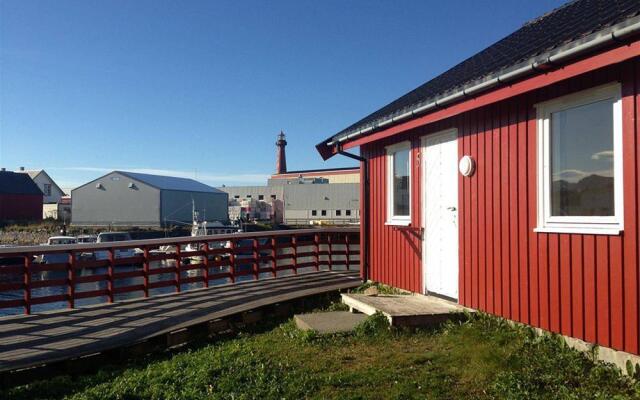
{"points": [[33, 340]]}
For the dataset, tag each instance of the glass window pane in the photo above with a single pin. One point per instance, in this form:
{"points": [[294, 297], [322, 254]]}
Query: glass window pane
{"points": [[401, 183], [582, 160]]}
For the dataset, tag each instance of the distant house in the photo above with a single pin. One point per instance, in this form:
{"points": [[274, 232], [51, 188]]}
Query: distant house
{"points": [[20, 198], [123, 198], [50, 190], [60, 211]]}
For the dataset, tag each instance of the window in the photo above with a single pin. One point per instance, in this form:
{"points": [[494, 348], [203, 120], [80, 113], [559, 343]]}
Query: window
{"points": [[260, 197], [314, 212], [580, 162], [338, 213], [347, 213], [46, 189], [324, 213], [237, 196], [248, 196], [399, 184], [273, 196]]}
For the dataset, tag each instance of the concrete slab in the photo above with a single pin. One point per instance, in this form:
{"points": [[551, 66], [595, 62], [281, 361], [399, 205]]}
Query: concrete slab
{"points": [[406, 310], [329, 322]]}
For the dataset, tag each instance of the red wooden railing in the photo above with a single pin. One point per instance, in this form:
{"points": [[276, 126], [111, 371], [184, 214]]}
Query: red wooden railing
{"points": [[81, 272]]}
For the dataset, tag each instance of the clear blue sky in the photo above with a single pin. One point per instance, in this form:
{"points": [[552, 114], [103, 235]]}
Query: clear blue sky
{"points": [[201, 88]]}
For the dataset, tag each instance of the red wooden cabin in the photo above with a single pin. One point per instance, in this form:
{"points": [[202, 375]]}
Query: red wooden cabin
{"points": [[510, 183]]}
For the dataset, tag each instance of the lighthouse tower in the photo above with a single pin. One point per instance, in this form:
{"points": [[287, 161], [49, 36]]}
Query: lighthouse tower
{"points": [[281, 158]]}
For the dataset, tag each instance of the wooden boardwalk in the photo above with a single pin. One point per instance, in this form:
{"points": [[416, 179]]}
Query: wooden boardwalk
{"points": [[35, 340]]}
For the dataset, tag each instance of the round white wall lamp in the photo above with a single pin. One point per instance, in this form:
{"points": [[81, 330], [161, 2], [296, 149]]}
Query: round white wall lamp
{"points": [[467, 166]]}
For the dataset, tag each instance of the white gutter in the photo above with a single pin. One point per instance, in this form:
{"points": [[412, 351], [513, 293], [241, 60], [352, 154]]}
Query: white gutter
{"points": [[570, 50]]}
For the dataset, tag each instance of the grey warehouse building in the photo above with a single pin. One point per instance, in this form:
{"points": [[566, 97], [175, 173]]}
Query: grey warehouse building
{"points": [[123, 198]]}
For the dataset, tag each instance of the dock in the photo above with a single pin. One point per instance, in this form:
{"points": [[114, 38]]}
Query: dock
{"points": [[33, 340]]}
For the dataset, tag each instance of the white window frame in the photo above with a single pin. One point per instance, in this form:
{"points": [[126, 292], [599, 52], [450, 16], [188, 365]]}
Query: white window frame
{"points": [[603, 225], [404, 220]]}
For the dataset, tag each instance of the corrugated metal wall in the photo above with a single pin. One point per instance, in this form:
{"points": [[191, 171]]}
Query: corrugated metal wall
{"points": [[585, 286]]}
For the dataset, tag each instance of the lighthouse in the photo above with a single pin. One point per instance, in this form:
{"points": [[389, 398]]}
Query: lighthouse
{"points": [[281, 158]]}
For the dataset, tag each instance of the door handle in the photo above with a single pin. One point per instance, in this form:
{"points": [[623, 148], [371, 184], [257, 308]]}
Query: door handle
{"points": [[451, 208]]}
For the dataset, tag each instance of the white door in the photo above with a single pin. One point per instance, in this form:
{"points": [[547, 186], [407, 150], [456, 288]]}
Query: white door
{"points": [[440, 213]]}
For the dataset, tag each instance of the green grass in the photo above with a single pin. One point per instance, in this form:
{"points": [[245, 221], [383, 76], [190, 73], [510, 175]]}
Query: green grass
{"points": [[381, 287], [484, 358]]}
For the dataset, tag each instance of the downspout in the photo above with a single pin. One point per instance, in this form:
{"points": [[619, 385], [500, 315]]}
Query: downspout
{"points": [[364, 219]]}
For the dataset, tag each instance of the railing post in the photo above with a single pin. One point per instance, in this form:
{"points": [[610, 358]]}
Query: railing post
{"points": [[274, 259], [205, 262], [295, 254], [330, 251], [71, 279], [27, 284], [232, 261], [347, 251], [256, 264], [177, 269], [316, 245], [110, 274], [145, 271]]}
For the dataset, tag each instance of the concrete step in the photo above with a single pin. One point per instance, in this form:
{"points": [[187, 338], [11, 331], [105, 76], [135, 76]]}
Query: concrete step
{"points": [[329, 322]]}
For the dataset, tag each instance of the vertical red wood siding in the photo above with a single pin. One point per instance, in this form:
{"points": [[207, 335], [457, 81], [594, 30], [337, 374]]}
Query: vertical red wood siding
{"points": [[585, 286], [20, 207]]}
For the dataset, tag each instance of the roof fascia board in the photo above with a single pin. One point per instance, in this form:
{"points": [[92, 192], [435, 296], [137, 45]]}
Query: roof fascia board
{"points": [[51, 180], [612, 34], [600, 60]]}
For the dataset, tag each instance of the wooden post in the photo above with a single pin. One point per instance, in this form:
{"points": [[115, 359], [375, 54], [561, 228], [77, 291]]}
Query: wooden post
{"points": [[348, 255], [256, 264], [316, 246], [177, 269], [232, 261], [295, 254], [27, 284], [145, 271], [330, 252], [205, 248], [110, 274], [71, 279], [274, 260]]}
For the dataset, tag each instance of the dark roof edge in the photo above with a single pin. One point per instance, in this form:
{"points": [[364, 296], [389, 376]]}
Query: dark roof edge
{"points": [[42, 171], [306, 171], [557, 56]]}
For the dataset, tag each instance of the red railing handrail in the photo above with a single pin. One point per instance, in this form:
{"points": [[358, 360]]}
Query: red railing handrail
{"points": [[270, 257], [61, 248]]}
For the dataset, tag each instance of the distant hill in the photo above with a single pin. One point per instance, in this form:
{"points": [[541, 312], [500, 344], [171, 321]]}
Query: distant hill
{"points": [[590, 196]]}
